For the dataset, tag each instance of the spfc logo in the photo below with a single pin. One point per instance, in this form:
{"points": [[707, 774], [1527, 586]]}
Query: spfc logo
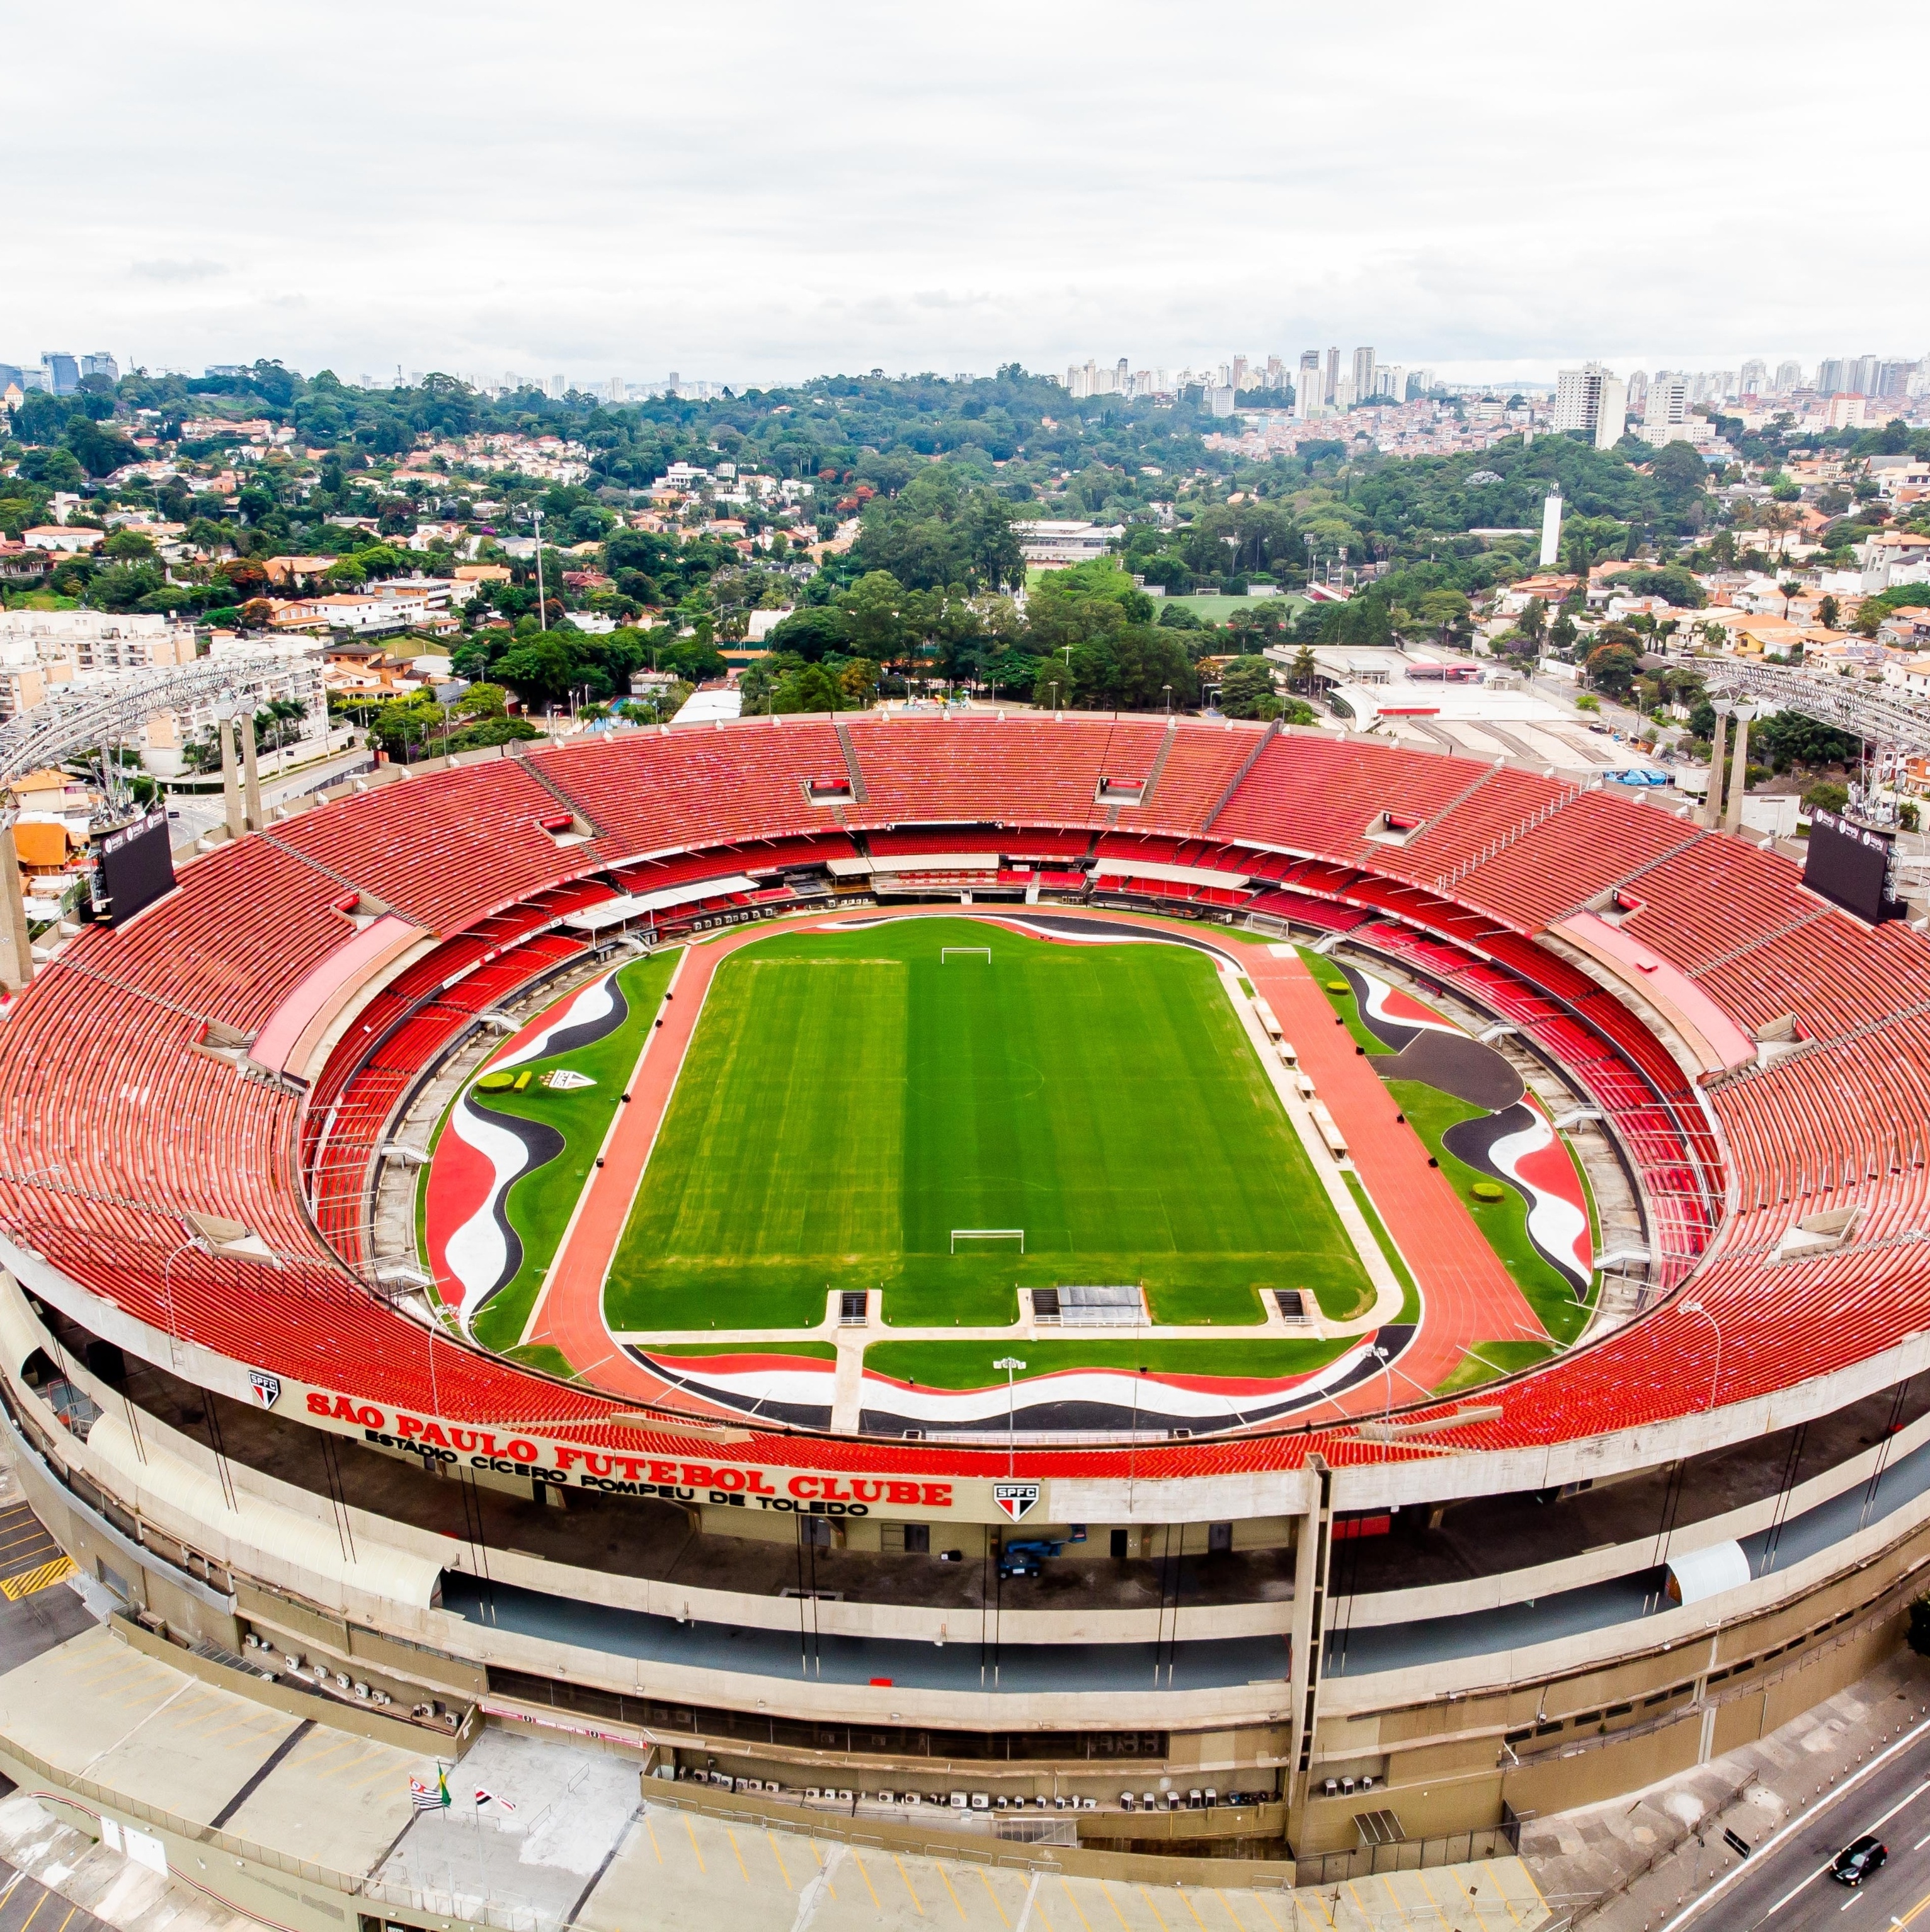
{"points": [[1015, 1499], [267, 1387]]}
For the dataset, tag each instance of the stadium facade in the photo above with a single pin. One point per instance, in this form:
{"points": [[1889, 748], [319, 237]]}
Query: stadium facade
{"points": [[1397, 1613]]}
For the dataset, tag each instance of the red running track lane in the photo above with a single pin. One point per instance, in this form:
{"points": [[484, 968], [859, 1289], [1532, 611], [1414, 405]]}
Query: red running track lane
{"points": [[1467, 1295]]}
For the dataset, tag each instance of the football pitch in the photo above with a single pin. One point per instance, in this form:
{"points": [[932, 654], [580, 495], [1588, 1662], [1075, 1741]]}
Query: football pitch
{"points": [[852, 1097]]}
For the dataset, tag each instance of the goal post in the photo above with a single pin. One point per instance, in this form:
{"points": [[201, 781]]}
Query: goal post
{"points": [[971, 952], [987, 1234]]}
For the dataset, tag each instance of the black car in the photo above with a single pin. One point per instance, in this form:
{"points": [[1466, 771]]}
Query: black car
{"points": [[1855, 1862]]}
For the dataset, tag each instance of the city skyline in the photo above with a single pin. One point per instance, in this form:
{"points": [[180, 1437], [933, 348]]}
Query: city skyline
{"points": [[901, 195]]}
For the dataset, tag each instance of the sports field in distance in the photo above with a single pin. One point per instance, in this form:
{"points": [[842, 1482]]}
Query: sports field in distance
{"points": [[850, 1098]]}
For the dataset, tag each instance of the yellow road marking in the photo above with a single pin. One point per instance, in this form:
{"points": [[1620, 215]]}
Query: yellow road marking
{"points": [[68, 1920], [1154, 1909], [694, 1846], [31, 1916], [1427, 1892], [653, 1830], [944, 1879], [994, 1897], [779, 1856], [1195, 1910], [1114, 1903], [1501, 1891], [1395, 1896], [742, 1868], [868, 1885], [916, 1900], [1039, 1899], [1226, 1906], [1074, 1902]]}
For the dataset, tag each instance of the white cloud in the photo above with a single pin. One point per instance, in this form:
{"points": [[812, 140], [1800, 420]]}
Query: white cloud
{"points": [[766, 191]]}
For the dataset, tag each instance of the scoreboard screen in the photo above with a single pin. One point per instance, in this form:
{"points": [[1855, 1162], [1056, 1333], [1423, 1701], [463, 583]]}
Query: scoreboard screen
{"points": [[1849, 865], [134, 867]]}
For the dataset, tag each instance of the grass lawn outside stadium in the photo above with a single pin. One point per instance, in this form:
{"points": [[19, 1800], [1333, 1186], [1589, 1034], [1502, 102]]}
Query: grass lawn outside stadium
{"points": [[850, 1097]]}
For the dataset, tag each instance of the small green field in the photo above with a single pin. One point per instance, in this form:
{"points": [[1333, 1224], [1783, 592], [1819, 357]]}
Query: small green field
{"points": [[1486, 1361], [1210, 607], [541, 1201], [849, 1100], [968, 1365]]}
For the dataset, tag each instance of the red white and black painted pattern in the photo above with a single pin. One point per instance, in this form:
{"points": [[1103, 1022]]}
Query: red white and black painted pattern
{"points": [[473, 1250], [1520, 1146]]}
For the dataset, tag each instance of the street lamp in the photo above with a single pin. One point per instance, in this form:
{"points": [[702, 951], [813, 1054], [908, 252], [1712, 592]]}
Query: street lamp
{"points": [[1010, 1363], [1055, 697], [542, 612], [1168, 689], [1697, 1308]]}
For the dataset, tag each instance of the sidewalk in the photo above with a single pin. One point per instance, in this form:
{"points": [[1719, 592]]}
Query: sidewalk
{"points": [[1659, 1849]]}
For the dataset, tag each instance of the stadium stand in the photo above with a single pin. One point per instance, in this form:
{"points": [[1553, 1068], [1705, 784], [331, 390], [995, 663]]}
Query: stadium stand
{"points": [[117, 1119]]}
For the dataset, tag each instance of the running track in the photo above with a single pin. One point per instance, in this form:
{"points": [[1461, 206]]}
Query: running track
{"points": [[1467, 1295]]}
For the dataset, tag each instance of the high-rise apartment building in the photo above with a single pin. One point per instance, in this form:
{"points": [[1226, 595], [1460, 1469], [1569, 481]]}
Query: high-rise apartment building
{"points": [[1638, 393], [1754, 379], [100, 363], [1333, 376], [1667, 404], [1862, 375], [1592, 400], [1276, 372], [1832, 376], [1364, 366], [1309, 390], [1237, 375], [1789, 375], [60, 371]]}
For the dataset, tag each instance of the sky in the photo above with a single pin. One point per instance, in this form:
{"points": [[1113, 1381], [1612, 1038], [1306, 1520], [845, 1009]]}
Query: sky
{"points": [[756, 193]]}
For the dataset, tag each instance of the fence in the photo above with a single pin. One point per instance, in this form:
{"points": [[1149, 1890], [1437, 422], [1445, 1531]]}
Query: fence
{"points": [[1457, 1848]]}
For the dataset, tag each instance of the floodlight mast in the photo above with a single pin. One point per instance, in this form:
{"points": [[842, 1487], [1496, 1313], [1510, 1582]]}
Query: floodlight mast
{"points": [[1010, 1363]]}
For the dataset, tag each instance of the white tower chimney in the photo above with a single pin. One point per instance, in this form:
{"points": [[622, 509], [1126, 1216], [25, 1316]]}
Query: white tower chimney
{"points": [[1551, 526]]}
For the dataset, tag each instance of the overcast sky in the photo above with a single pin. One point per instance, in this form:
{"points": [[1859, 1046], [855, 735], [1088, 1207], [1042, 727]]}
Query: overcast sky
{"points": [[755, 192]]}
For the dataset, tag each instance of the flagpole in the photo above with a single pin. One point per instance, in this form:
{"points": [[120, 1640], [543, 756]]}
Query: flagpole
{"points": [[482, 1856]]}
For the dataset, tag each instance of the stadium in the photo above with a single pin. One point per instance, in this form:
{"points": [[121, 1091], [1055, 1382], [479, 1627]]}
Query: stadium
{"points": [[1215, 1292]]}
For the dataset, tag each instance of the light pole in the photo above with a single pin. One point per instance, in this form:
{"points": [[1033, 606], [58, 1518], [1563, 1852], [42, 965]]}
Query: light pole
{"points": [[1697, 1308], [1168, 689], [1055, 697], [1010, 1363], [542, 612]]}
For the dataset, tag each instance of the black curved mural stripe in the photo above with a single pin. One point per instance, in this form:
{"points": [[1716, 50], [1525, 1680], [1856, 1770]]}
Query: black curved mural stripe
{"points": [[800, 1414], [586, 1033], [1390, 1033], [1470, 1141], [541, 1144], [1455, 1064], [1053, 1417]]}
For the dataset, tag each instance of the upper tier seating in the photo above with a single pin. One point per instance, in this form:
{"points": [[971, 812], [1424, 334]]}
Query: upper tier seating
{"points": [[445, 849]]}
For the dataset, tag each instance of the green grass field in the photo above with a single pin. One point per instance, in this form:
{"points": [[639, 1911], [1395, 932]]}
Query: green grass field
{"points": [[848, 1100], [541, 1201], [1487, 1360]]}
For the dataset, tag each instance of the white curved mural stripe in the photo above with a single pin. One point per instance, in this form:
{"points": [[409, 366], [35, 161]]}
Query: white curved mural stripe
{"points": [[596, 1001], [1555, 1225], [476, 1252], [961, 1408], [1378, 991]]}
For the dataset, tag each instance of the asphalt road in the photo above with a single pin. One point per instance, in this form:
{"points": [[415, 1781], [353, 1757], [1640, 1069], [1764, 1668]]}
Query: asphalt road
{"points": [[1786, 1887]]}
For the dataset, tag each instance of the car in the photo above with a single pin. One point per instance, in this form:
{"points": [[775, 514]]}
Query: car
{"points": [[1856, 1861]]}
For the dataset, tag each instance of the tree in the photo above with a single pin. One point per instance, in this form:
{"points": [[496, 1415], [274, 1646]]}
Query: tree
{"points": [[878, 615], [811, 688], [1827, 612], [1612, 667], [1304, 673], [1826, 795], [1247, 689], [540, 671]]}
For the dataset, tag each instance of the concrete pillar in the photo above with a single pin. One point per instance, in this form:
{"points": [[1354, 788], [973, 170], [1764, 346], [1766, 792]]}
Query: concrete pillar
{"points": [[1309, 1628], [1712, 803], [1739, 769], [231, 790], [250, 771], [16, 963]]}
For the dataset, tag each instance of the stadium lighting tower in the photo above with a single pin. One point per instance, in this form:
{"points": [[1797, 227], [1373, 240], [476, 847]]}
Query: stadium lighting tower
{"points": [[1009, 1364], [1697, 1308]]}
